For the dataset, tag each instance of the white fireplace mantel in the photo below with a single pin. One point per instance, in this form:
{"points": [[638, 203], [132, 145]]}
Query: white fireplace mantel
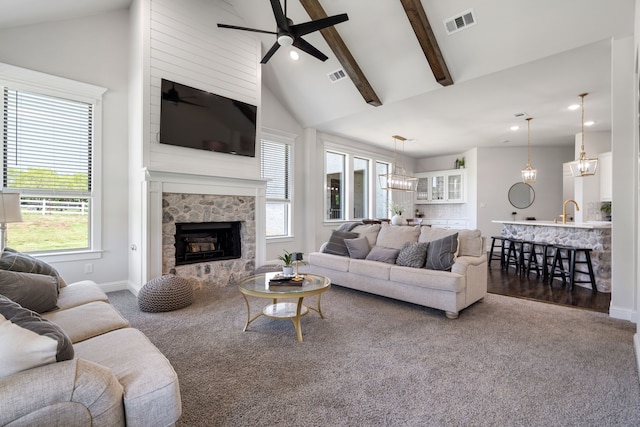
{"points": [[155, 183]]}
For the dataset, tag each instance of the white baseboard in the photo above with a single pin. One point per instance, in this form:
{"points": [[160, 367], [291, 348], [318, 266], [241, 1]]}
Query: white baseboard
{"points": [[623, 314], [636, 346], [120, 286]]}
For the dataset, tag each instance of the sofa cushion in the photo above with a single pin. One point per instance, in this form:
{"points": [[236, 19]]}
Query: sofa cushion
{"points": [[16, 261], [374, 269], [441, 253], [335, 245], [382, 254], [413, 254], [430, 279], [396, 236], [37, 292], [79, 293], [96, 317], [470, 243], [358, 248], [28, 340], [333, 262], [370, 231]]}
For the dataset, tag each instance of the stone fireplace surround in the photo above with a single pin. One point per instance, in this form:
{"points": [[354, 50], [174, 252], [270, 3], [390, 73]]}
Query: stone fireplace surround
{"points": [[177, 197]]}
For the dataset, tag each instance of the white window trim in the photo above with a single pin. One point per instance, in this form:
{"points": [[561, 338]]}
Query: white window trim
{"points": [[46, 84], [290, 139]]}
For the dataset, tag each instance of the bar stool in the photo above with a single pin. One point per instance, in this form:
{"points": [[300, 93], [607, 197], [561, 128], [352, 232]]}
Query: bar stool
{"points": [[501, 246], [557, 267], [539, 249], [514, 255]]}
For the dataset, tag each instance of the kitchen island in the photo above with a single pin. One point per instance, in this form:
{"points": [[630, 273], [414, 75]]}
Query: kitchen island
{"points": [[595, 235]]}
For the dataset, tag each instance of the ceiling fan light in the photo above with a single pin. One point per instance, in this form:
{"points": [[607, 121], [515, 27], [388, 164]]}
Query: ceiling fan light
{"points": [[285, 40]]}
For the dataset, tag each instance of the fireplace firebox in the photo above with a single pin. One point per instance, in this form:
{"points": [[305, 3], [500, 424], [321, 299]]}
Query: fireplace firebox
{"points": [[207, 241]]}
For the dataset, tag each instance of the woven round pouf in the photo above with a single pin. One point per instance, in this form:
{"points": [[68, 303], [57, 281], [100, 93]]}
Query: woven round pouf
{"points": [[165, 293]]}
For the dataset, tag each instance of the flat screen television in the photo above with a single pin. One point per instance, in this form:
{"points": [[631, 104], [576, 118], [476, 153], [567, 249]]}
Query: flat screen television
{"points": [[195, 118]]}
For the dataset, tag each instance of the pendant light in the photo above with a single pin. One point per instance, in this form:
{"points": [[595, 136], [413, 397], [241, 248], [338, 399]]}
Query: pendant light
{"points": [[397, 179], [529, 174], [583, 166]]}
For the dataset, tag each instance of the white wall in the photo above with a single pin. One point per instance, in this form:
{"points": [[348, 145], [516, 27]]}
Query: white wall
{"points": [[499, 168], [92, 50]]}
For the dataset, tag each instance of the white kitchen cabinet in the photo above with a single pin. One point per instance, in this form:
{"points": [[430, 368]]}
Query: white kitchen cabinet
{"points": [[446, 186], [605, 171]]}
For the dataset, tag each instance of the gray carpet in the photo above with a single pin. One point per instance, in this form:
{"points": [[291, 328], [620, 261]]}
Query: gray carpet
{"points": [[375, 361]]}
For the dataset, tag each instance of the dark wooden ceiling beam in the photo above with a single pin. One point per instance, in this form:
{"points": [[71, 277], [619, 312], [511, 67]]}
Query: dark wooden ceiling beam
{"points": [[421, 26], [340, 50]]}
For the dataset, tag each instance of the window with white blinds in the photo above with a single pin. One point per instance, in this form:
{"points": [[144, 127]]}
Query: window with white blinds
{"points": [[275, 165], [47, 144]]}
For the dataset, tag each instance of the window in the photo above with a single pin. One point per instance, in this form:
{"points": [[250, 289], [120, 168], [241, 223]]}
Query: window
{"points": [[335, 173], [360, 188], [382, 196], [275, 161], [49, 143]]}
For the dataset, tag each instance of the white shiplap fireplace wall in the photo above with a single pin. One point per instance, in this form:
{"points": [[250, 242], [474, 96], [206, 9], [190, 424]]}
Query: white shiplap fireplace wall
{"points": [[179, 41]]}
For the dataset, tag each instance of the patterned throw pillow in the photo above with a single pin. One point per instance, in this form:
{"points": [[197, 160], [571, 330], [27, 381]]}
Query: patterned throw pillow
{"points": [[441, 253], [12, 260], [28, 340], [413, 254], [335, 245]]}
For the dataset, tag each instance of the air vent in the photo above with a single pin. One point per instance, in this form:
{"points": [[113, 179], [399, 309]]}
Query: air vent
{"points": [[459, 22], [518, 115], [337, 75]]}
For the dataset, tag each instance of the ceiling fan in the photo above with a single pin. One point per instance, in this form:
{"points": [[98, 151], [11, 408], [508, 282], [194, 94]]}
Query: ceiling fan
{"points": [[290, 34], [174, 97]]}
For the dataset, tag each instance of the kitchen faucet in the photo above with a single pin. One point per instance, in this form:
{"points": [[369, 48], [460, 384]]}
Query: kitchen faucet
{"points": [[564, 209]]}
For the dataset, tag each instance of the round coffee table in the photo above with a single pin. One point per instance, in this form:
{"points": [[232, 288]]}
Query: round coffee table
{"points": [[261, 286]]}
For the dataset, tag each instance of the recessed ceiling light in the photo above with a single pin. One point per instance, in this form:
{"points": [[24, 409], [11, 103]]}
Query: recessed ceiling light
{"points": [[515, 127], [294, 55], [589, 123], [573, 107]]}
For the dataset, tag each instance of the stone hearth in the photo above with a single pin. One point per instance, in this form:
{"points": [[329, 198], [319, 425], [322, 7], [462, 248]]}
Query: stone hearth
{"points": [[196, 208]]}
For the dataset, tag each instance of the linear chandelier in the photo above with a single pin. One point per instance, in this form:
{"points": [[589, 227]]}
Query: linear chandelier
{"points": [[583, 166], [397, 179], [529, 174]]}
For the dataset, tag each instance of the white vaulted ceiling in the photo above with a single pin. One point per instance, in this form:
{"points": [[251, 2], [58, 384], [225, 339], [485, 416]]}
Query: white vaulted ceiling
{"points": [[531, 56]]}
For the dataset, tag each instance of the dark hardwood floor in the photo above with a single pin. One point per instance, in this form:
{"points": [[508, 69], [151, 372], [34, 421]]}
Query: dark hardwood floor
{"points": [[511, 284]]}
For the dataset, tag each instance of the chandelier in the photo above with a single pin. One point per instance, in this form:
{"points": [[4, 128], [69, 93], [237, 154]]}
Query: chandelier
{"points": [[583, 166], [529, 174], [397, 179]]}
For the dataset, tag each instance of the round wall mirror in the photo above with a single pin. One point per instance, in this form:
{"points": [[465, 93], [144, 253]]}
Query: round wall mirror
{"points": [[521, 195]]}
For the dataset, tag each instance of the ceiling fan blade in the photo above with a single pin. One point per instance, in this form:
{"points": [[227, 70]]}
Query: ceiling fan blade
{"points": [[269, 54], [307, 47], [318, 24], [281, 19], [233, 27]]}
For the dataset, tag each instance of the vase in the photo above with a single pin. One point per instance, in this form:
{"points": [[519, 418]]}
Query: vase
{"points": [[397, 219], [287, 271]]}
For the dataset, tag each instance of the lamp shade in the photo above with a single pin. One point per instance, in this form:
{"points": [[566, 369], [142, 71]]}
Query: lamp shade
{"points": [[10, 208], [296, 256]]}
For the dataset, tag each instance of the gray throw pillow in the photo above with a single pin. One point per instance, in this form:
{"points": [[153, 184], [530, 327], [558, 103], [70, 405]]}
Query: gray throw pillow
{"points": [[413, 254], [358, 248], [28, 340], [335, 245], [37, 292], [441, 253], [379, 253], [12, 260]]}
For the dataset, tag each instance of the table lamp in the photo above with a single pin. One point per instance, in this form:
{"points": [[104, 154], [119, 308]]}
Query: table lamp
{"points": [[297, 257], [9, 212]]}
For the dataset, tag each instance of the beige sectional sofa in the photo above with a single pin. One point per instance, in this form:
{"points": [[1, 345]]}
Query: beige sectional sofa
{"points": [[460, 281], [111, 376]]}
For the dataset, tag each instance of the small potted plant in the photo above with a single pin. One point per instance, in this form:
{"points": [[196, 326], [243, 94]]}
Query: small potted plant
{"points": [[287, 259], [396, 209]]}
